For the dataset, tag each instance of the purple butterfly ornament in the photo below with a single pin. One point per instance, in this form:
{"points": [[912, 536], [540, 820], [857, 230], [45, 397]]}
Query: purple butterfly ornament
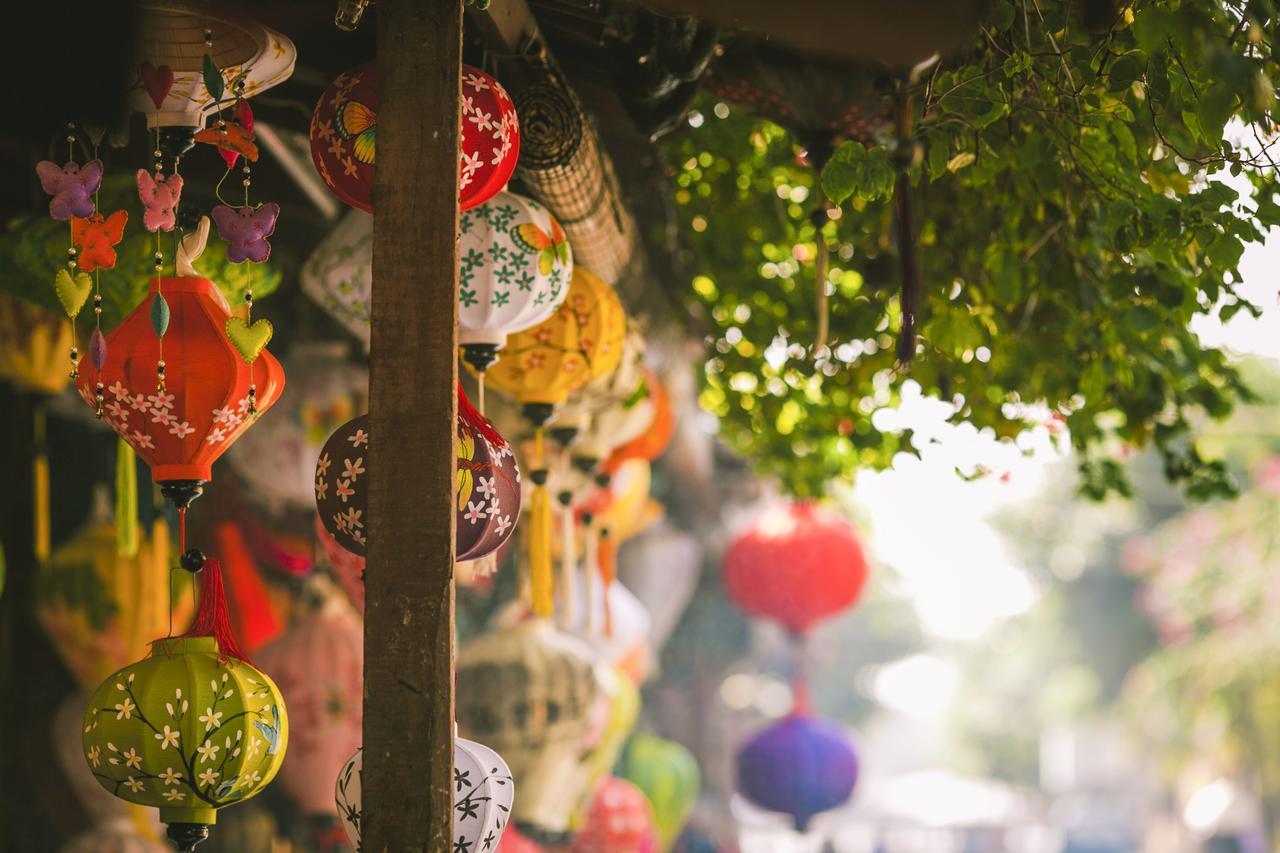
{"points": [[159, 198], [246, 229], [72, 187]]}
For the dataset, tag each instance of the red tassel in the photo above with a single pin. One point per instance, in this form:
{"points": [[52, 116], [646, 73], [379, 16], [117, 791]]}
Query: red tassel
{"points": [[211, 620], [605, 558], [472, 422]]}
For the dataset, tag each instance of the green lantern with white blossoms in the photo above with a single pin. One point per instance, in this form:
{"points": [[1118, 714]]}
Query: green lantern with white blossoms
{"points": [[191, 728]]}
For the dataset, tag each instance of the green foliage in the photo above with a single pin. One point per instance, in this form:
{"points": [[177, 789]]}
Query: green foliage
{"points": [[1072, 221], [34, 248]]}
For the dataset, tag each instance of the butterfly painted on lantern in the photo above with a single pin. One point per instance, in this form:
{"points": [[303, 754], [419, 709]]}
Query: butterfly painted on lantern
{"points": [[270, 732], [360, 123], [551, 248], [159, 198], [232, 137], [96, 238], [246, 229], [72, 187]]}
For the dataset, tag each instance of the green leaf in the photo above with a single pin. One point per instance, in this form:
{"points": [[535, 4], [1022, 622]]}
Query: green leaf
{"points": [[1217, 104], [855, 170], [213, 79]]}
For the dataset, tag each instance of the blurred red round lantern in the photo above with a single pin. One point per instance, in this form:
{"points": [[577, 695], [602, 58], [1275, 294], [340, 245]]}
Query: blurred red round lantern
{"points": [[344, 131], [318, 664], [342, 480], [513, 841], [206, 402], [618, 820], [798, 564]]}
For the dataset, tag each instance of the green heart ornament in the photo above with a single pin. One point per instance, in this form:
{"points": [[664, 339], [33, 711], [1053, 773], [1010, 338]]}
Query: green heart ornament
{"points": [[73, 291], [248, 340]]}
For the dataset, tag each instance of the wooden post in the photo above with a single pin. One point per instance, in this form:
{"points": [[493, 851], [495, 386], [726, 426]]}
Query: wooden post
{"points": [[409, 619]]}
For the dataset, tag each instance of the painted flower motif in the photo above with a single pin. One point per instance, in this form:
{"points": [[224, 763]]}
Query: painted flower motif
{"points": [[215, 436], [125, 709], [353, 518], [353, 469], [167, 738], [322, 465], [118, 390], [249, 779], [142, 441], [223, 415], [504, 524], [170, 776], [94, 755], [344, 490], [322, 489], [115, 410], [174, 795], [359, 438], [485, 485], [134, 785], [255, 743], [161, 400], [132, 759], [181, 430], [211, 719], [161, 416], [493, 507], [242, 407], [474, 512], [139, 403], [208, 752], [207, 777]]}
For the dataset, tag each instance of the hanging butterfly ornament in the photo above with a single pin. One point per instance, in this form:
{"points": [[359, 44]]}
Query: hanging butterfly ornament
{"points": [[73, 189], [246, 227]]}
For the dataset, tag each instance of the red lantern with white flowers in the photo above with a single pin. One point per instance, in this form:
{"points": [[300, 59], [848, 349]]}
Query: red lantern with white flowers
{"points": [[490, 138], [798, 564], [619, 820], [182, 398]]}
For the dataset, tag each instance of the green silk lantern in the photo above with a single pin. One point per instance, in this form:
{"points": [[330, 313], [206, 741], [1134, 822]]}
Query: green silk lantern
{"points": [[669, 776], [190, 729]]}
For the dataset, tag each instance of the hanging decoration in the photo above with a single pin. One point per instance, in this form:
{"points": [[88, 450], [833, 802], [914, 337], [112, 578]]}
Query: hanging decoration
{"points": [[175, 88], [612, 717], [338, 276], [319, 664], [529, 690], [276, 460], [344, 130], [625, 384], [650, 443], [661, 567], [487, 488], [101, 608], [798, 564], [33, 346], [342, 495], [515, 269], [669, 776], [482, 797], [180, 400], [801, 766], [618, 820], [514, 841], [193, 727]]}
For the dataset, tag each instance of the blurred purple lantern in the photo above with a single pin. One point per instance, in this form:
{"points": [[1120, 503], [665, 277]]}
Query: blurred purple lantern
{"points": [[801, 766]]}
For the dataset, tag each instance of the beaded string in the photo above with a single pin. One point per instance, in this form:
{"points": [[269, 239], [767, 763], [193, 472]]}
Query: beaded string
{"points": [[72, 253], [159, 267]]}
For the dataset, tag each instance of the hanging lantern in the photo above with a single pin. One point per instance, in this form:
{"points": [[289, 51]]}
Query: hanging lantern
{"points": [[515, 267], [619, 820], [173, 41], [798, 564], [318, 664], [649, 444], [482, 796], [33, 355], [628, 621], [622, 387], [341, 484], [612, 718], [346, 566], [206, 396], [487, 487], [101, 608], [668, 775], [190, 729], [801, 766], [529, 691], [580, 342], [345, 123], [338, 276], [661, 567], [276, 460], [514, 841]]}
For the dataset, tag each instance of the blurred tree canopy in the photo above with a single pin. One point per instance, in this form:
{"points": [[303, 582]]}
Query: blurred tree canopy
{"points": [[1073, 216]]}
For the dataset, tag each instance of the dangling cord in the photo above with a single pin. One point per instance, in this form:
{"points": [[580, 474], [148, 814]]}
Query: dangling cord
{"points": [[160, 306], [905, 156], [799, 678], [480, 390], [568, 562], [541, 582], [97, 343], [72, 261], [248, 295], [591, 570], [607, 571], [40, 494]]}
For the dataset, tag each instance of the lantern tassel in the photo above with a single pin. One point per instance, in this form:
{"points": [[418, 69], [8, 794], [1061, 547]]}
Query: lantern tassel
{"points": [[211, 619], [471, 421], [568, 563], [40, 490], [541, 581], [128, 537], [607, 571], [591, 560]]}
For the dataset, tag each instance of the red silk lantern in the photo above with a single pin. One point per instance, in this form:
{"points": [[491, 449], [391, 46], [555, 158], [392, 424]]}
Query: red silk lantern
{"points": [[206, 403], [798, 564], [344, 130], [487, 486], [318, 666], [619, 820]]}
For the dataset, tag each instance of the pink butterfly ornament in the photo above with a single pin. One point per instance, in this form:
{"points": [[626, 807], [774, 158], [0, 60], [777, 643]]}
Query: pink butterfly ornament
{"points": [[245, 230], [159, 196], [72, 187]]}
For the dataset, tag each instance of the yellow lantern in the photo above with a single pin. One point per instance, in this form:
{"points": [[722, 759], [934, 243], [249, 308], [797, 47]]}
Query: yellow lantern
{"points": [[34, 344]]}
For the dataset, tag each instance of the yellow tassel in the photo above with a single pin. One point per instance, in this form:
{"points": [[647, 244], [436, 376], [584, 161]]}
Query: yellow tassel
{"points": [[540, 572], [40, 494], [128, 538]]}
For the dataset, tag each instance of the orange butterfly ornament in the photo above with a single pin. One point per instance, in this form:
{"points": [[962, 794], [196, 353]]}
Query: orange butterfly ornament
{"points": [[96, 238]]}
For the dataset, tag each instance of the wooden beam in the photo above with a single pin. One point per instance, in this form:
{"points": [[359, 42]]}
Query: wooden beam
{"points": [[409, 597]]}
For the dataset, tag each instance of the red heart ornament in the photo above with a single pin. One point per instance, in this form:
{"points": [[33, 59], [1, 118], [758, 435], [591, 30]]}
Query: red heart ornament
{"points": [[157, 81]]}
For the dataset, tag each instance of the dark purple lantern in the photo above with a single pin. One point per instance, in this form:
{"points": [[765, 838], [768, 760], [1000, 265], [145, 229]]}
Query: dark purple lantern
{"points": [[801, 766]]}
